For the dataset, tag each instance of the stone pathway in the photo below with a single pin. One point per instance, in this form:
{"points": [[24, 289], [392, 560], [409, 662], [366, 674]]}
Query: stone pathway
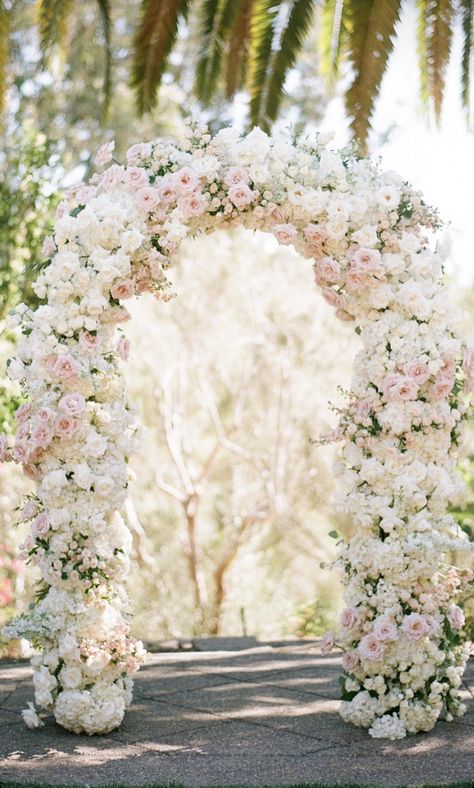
{"points": [[264, 715]]}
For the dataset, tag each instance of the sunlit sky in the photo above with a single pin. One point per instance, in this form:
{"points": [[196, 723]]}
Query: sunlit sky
{"points": [[438, 161]]}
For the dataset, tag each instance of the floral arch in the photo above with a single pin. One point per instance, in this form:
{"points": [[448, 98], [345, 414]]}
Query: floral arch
{"points": [[366, 234]]}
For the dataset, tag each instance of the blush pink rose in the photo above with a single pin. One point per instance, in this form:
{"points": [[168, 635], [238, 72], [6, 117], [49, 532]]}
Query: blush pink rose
{"points": [[138, 152], [415, 626], [356, 280], [136, 176], [66, 366], [274, 213], [367, 260], [193, 204], [117, 314], [315, 233], [42, 434], [327, 271], [23, 412], [456, 617], [123, 348], [45, 415], [185, 179], [371, 648], [29, 510], [418, 371], [88, 340], [285, 233], [350, 661], [400, 388], [104, 154], [442, 386], [349, 618], [332, 298], [240, 195], [65, 426], [40, 526], [50, 362], [30, 471], [72, 404], [122, 289], [327, 642], [384, 630], [236, 176], [167, 192], [147, 198]]}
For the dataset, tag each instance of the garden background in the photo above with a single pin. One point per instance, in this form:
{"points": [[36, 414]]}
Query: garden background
{"points": [[230, 507]]}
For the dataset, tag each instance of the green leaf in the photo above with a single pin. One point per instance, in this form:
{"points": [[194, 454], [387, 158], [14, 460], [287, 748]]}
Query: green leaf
{"points": [[291, 41], [467, 9], [104, 10], [371, 28], [333, 534], [331, 39], [239, 41], [262, 33], [435, 32], [53, 17], [4, 50], [154, 40], [217, 18]]}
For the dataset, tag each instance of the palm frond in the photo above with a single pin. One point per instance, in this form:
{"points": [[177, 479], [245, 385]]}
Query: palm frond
{"points": [[371, 27], [262, 33], [53, 17], [104, 10], [154, 39], [294, 34], [467, 9], [435, 38], [217, 18], [422, 37], [239, 35], [331, 38], [4, 50]]}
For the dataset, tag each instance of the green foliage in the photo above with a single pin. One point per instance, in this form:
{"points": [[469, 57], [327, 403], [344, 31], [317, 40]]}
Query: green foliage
{"points": [[435, 30], [371, 27], [467, 8], [26, 206], [4, 47], [314, 618], [291, 42], [262, 31], [154, 40]]}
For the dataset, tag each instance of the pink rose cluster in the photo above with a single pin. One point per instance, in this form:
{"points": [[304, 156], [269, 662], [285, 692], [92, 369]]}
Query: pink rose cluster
{"points": [[36, 430], [405, 385]]}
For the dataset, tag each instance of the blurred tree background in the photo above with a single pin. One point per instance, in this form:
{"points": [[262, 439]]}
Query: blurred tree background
{"points": [[230, 506]]}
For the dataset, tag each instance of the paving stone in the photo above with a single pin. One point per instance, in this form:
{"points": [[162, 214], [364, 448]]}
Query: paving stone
{"points": [[265, 715]]}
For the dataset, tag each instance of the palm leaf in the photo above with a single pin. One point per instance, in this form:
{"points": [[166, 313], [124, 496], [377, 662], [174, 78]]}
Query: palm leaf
{"points": [[4, 49], [104, 10], [154, 40], [217, 18], [239, 36], [422, 36], [291, 41], [435, 34], [467, 9], [371, 27], [53, 17], [262, 32], [331, 38]]}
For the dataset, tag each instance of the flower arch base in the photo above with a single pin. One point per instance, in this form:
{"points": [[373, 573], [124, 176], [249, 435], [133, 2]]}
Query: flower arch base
{"points": [[402, 631]]}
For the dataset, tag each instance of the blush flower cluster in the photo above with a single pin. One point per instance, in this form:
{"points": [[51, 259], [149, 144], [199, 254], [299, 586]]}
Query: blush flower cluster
{"points": [[366, 233]]}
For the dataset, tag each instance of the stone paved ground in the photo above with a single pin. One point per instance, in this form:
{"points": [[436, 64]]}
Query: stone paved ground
{"points": [[265, 715]]}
